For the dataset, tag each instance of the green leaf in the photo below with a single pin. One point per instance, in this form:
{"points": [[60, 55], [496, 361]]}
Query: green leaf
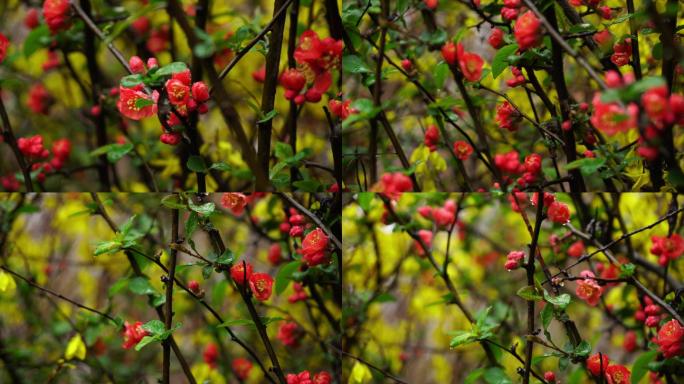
{"points": [[131, 81], [155, 327], [365, 199], [588, 165], [223, 167], [169, 69], [107, 247], [191, 224], [146, 340], [173, 202], [496, 375], [236, 322], [354, 64], [205, 209], [226, 258], [141, 286], [561, 301], [627, 270], [196, 164], [441, 73], [546, 315], [114, 151], [268, 116], [462, 338], [310, 185], [583, 349], [143, 102], [283, 151], [38, 38], [529, 293], [500, 61], [284, 275], [640, 367]]}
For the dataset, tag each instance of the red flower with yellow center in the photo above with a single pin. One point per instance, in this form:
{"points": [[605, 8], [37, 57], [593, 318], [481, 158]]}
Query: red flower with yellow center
{"points": [[135, 104], [234, 201], [261, 285]]}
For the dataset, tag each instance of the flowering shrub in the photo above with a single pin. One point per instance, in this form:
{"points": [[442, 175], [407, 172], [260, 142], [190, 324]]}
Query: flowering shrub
{"points": [[235, 315], [204, 107], [523, 287], [588, 86]]}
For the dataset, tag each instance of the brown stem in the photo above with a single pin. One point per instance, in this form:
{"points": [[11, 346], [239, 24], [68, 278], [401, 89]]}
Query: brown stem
{"points": [[168, 307], [269, 90], [529, 269], [8, 135]]}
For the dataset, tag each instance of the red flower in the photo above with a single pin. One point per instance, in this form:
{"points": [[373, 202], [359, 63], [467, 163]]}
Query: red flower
{"points": [[136, 64], [260, 74], [303, 377], [657, 107], [170, 138], [462, 149], [210, 355], [617, 374], [56, 13], [234, 201], [341, 109], [431, 137], [261, 285], [670, 339], [178, 93], [496, 38], [61, 148], [32, 147], [667, 248], [611, 118], [588, 289], [275, 254], [318, 55], [135, 104], [507, 116], [39, 100], [133, 334], [288, 334], [141, 25], [558, 212], [622, 51], [527, 31], [470, 63], [394, 184], [10, 183], [576, 249], [4, 43], [597, 364], [324, 377], [449, 53], [426, 237], [513, 260], [32, 18], [603, 38], [298, 295], [550, 376], [158, 40], [630, 341], [241, 367], [292, 80], [431, 4], [314, 246], [238, 272], [509, 162]]}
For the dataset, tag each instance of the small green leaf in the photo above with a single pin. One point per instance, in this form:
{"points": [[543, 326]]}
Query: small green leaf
{"points": [[205, 209], [640, 367], [284, 275], [107, 247], [627, 270], [143, 102], [226, 258], [131, 81], [38, 38], [354, 64], [561, 301], [141, 286], [462, 338], [588, 165], [529, 293], [583, 349], [268, 116], [146, 340], [500, 61], [223, 167], [365, 199], [196, 164], [172, 68]]}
